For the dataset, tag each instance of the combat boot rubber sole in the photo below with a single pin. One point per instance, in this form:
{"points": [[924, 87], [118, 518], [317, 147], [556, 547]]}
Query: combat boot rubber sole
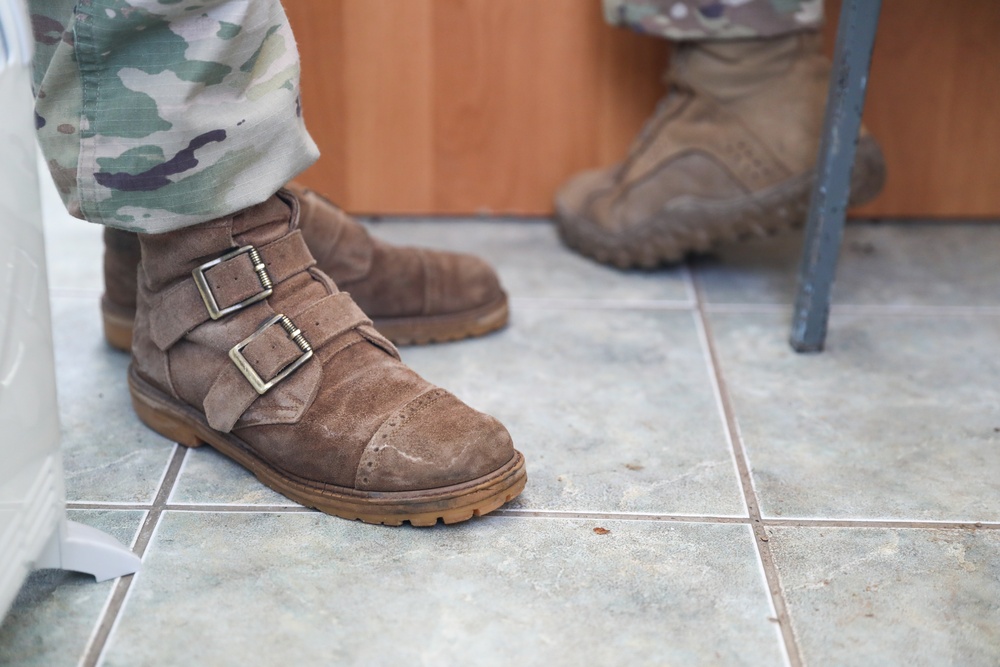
{"points": [[415, 330], [452, 504], [689, 225]]}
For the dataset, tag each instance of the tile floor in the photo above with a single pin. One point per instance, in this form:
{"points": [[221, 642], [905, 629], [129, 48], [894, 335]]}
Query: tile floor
{"points": [[758, 507]]}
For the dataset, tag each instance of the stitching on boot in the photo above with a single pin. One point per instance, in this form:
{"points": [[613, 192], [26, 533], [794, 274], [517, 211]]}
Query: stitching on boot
{"points": [[168, 375], [369, 463]]}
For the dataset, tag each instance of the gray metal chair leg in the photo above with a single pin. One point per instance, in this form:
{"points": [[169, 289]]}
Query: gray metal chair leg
{"points": [[828, 205]]}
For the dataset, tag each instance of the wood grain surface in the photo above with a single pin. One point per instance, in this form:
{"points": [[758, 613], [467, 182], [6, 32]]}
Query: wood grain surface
{"points": [[475, 106]]}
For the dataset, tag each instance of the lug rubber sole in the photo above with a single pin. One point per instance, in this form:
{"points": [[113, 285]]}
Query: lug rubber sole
{"points": [[453, 504], [420, 330], [698, 226]]}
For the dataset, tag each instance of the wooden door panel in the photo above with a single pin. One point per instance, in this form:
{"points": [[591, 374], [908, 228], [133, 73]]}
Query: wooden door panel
{"points": [[466, 106]]}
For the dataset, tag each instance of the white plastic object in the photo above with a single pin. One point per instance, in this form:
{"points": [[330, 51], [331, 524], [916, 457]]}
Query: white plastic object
{"points": [[81, 548], [34, 531]]}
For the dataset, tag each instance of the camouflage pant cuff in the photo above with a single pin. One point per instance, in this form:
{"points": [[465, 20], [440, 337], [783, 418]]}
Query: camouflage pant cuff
{"points": [[155, 115], [681, 20]]}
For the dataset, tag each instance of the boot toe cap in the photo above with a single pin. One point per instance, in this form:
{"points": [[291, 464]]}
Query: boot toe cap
{"points": [[460, 282], [432, 442]]}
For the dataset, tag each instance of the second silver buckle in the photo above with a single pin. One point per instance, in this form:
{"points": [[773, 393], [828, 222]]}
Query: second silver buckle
{"points": [[252, 376]]}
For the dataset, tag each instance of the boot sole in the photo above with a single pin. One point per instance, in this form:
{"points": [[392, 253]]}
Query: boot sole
{"points": [[452, 504], [420, 330], [698, 226], [445, 328], [117, 325]]}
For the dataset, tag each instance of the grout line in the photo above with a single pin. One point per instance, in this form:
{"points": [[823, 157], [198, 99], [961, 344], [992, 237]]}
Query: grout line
{"points": [[238, 509], [123, 602], [876, 310], [739, 308], [104, 505], [881, 523], [171, 471], [687, 277], [758, 530], [180, 473], [729, 434], [928, 524], [616, 516], [94, 651], [908, 310], [107, 600], [191, 507], [601, 304]]}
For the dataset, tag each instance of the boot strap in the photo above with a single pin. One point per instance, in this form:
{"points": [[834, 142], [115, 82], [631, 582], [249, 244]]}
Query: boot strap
{"points": [[225, 285], [278, 352]]}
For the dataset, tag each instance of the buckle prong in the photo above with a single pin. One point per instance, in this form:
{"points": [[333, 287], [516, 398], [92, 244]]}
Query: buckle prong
{"points": [[201, 282], [252, 376]]}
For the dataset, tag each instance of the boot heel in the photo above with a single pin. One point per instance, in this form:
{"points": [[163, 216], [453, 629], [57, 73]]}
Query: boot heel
{"points": [[118, 332], [117, 325], [164, 424]]}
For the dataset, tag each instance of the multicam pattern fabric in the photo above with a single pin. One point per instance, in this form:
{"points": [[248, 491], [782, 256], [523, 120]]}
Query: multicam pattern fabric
{"points": [[715, 19], [159, 114]]}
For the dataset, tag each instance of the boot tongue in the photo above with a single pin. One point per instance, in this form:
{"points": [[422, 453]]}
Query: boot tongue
{"points": [[731, 69]]}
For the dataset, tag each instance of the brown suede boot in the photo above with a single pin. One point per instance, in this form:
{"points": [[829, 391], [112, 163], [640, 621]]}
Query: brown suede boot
{"points": [[121, 261], [242, 344], [414, 295], [730, 152]]}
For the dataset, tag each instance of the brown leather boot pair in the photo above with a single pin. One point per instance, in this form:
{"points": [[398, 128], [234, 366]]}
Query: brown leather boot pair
{"points": [[730, 152], [241, 342]]}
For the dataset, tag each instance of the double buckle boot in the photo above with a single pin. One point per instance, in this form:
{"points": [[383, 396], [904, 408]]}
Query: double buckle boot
{"points": [[241, 343], [413, 295], [730, 152]]}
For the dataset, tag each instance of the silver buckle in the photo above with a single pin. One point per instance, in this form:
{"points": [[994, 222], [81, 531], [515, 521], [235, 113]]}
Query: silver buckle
{"points": [[294, 334], [206, 292]]}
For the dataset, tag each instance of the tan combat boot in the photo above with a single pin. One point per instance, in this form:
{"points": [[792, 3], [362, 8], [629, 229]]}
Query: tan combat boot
{"points": [[413, 295], [730, 152], [242, 344]]}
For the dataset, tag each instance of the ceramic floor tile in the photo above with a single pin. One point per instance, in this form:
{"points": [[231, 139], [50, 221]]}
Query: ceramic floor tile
{"points": [[108, 454], [266, 589], [914, 264], [55, 613], [533, 263], [613, 410], [207, 477], [898, 418], [892, 597]]}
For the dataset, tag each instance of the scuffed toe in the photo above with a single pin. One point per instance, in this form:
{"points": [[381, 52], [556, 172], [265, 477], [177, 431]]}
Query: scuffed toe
{"points": [[433, 441]]}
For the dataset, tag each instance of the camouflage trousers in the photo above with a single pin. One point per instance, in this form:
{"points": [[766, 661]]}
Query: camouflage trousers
{"points": [[159, 114], [715, 19]]}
